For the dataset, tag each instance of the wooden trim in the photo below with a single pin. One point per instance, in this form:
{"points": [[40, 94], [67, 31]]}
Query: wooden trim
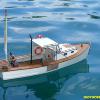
{"points": [[52, 66]]}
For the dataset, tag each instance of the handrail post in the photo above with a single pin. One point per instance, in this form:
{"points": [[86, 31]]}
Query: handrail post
{"points": [[31, 49]]}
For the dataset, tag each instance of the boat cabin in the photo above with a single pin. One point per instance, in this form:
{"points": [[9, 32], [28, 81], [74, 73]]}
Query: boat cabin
{"points": [[44, 49]]}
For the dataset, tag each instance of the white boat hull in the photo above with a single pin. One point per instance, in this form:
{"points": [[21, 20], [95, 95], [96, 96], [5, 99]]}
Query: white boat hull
{"points": [[42, 70]]}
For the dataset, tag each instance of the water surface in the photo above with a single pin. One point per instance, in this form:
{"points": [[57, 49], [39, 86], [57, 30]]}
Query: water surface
{"points": [[69, 21]]}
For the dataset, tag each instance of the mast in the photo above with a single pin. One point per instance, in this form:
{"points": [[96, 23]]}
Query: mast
{"points": [[5, 35]]}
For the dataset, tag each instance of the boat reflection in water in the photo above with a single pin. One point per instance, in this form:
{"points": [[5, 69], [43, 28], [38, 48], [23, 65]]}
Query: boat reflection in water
{"points": [[43, 86]]}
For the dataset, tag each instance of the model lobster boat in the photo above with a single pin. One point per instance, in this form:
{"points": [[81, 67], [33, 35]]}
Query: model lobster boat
{"points": [[46, 56]]}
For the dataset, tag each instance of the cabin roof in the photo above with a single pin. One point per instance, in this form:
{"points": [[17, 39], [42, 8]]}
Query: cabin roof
{"points": [[43, 42]]}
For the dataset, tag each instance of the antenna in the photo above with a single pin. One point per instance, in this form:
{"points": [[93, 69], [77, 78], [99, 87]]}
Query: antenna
{"points": [[5, 34]]}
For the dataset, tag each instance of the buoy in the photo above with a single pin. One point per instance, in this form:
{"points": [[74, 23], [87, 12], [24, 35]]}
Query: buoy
{"points": [[38, 50]]}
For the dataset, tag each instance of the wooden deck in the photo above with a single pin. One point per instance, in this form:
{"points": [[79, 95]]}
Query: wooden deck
{"points": [[4, 66]]}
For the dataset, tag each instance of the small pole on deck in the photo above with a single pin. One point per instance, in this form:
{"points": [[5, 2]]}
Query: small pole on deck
{"points": [[31, 48], [56, 52]]}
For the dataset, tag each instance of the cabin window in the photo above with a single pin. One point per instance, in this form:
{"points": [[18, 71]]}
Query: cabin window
{"points": [[72, 51], [65, 54]]}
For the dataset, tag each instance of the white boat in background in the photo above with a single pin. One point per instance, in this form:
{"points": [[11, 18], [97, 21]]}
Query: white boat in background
{"points": [[46, 56]]}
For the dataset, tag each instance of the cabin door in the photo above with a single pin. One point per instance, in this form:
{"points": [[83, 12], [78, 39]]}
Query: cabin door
{"points": [[48, 55]]}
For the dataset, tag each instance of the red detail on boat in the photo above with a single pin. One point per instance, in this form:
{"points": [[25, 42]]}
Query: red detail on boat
{"points": [[49, 56], [38, 50], [39, 36]]}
